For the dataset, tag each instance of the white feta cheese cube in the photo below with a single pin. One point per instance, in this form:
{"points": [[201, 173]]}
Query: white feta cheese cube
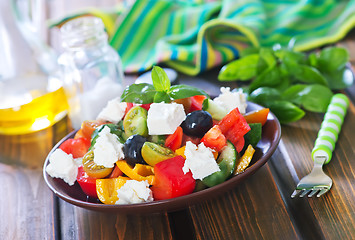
{"points": [[230, 100], [113, 112], [164, 118], [107, 149], [134, 192], [62, 165], [199, 160]]}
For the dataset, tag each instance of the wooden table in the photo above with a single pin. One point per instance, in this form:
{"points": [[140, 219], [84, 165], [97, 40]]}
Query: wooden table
{"points": [[258, 208]]}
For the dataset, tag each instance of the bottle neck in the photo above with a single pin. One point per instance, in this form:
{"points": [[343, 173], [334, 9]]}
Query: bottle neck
{"points": [[83, 33]]}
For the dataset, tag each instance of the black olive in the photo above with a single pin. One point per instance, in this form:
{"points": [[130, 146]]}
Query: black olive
{"points": [[197, 123], [132, 149]]}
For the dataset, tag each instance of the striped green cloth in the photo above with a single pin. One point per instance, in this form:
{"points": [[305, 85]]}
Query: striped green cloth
{"points": [[196, 35]]}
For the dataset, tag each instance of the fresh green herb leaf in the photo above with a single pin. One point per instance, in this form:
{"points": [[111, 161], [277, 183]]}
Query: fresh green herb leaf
{"points": [[332, 59], [241, 69], [339, 79], [289, 55], [308, 74], [313, 60], [316, 98], [264, 94], [269, 78], [184, 91], [161, 96], [285, 111], [160, 79], [267, 55], [142, 93], [294, 93]]}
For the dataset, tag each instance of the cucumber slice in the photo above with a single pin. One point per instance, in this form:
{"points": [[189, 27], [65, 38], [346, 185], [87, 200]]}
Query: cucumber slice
{"points": [[226, 162], [217, 112], [254, 135]]}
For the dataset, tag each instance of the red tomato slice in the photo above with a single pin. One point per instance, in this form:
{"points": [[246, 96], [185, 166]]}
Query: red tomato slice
{"points": [[87, 184], [214, 139], [77, 147], [89, 126], [234, 126], [196, 102], [146, 106], [257, 116], [170, 180], [173, 141], [115, 172]]}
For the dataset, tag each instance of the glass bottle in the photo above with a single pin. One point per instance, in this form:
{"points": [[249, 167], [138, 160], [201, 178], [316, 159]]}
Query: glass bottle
{"points": [[31, 95], [91, 68]]}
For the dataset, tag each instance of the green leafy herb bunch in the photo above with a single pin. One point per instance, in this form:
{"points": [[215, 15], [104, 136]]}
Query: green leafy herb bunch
{"points": [[290, 82]]}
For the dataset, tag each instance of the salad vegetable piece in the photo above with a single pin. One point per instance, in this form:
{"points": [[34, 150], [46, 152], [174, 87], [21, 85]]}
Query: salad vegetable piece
{"points": [[167, 143]]}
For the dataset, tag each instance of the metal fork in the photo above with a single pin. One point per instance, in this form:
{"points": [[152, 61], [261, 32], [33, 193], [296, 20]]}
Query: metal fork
{"points": [[317, 181]]}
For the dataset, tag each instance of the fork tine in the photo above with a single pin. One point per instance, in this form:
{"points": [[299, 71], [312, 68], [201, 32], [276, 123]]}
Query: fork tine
{"points": [[313, 193], [324, 190], [295, 193], [305, 192]]}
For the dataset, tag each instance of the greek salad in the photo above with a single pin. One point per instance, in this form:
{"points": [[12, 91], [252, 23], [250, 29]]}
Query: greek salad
{"points": [[158, 142]]}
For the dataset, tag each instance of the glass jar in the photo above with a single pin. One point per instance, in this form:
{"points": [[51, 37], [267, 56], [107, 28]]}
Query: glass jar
{"points": [[91, 69]]}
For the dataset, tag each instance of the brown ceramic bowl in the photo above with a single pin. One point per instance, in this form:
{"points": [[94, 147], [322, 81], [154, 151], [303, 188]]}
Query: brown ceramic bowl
{"points": [[73, 194]]}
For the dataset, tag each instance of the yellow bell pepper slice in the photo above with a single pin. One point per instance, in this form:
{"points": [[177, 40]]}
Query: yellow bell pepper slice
{"points": [[181, 151], [245, 160], [139, 172], [106, 188]]}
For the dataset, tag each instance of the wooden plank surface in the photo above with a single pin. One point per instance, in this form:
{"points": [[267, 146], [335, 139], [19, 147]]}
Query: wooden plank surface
{"points": [[27, 206], [253, 210], [333, 214], [78, 223]]}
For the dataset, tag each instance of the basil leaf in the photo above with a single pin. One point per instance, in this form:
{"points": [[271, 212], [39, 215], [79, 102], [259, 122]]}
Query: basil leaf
{"points": [[161, 97], [184, 91], [241, 69], [308, 74], [294, 94], [264, 94], [139, 93], [286, 54], [285, 111], [261, 66], [267, 55], [313, 60], [339, 79], [269, 78], [332, 59], [316, 98], [160, 79]]}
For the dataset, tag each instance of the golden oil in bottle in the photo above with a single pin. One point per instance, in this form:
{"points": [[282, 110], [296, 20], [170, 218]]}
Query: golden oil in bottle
{"points": [[29, 110]]}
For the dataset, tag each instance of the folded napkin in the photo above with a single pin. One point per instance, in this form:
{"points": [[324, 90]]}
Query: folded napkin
{"points": [[193, 36]]}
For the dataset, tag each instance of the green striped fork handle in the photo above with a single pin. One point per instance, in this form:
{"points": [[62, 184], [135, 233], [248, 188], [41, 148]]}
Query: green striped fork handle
{"points": [[331, 127]]}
